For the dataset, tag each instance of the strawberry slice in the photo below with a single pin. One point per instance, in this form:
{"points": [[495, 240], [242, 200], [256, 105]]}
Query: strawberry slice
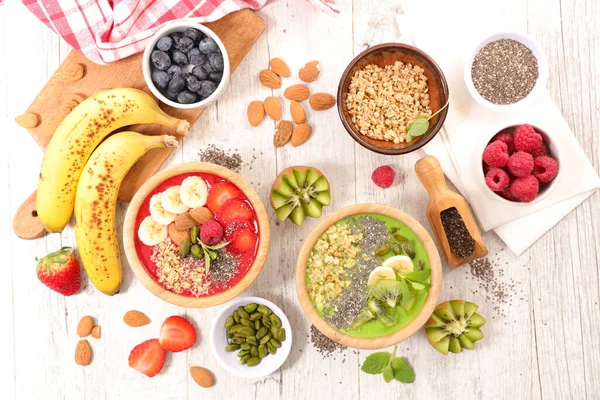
{"points": [[220, 193], [233, 209], [147, 357], [243, 241], [235, 225], [177, 334]]}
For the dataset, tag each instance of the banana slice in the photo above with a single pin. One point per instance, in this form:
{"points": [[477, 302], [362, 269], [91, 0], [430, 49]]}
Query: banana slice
{"points": [[400, 264], [151, 232], [158, 212], [380, 273], [193, 191], [171, 200]]}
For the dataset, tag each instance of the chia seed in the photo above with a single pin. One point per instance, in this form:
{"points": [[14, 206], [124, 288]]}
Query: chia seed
{"points": [[504, 71], [460, 240], [213, 154], [374, 232], [223, 268], [492, 282], [323, 344]]}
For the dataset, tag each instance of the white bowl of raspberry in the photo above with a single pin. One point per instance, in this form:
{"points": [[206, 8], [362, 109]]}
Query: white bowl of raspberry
{"points": [[520, 165]]}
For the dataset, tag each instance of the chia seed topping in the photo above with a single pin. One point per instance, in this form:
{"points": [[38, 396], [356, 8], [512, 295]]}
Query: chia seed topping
{"points": [[323, 344], [223, 268], [459, 238], [374, 232], [213, 154]]}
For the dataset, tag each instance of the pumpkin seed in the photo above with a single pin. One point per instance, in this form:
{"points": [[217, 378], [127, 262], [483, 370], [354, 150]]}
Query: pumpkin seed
{"points": [[255, 316], [264, 310], [238, 340], [194, 232], [254, 351], [245, 346], [275, 320], [272, 349], [421, 265], [382, 250], [408, 250], [246, 331], [252, 340], [265, 338], [196, 251], [254, 361], [281, 335], [247, 322], [229, 322], [262, 351], [232, 347], [245, 359], [401, 238], [393, 230], [236, 328], [274, 331], [229, 335], [267, 322], [242, 313], [236, 317], [184, 249], [242, 353], [396, 248], [250, 307], [257, 324], [262, 332], [275, 343]]}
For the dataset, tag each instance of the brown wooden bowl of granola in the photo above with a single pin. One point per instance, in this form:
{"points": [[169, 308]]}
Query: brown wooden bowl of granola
{"points": [[196, 235], [350, 278], [384, 89]]}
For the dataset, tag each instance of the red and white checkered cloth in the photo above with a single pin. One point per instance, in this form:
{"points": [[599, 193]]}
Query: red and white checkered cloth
{"points": [[109, 30]]}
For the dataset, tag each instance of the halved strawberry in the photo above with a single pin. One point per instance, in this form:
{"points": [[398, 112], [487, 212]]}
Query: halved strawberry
{"points": [[147, 357], [177, 334], [220, 193], [235, 225], [232, 209], [242, 241]]}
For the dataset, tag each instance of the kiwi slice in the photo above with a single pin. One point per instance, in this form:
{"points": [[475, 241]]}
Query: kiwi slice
{"points": [[361, 319], [387, 290], [300, 192], [382, 311], [454, 326]]}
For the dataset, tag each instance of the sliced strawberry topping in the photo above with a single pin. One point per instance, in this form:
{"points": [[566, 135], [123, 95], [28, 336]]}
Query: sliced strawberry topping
{"points": [[177, 334], [220, 193], [243, 241], [237, 224], [147, 357], [234, 209]]}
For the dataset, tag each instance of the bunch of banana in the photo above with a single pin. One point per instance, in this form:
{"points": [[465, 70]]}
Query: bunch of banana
{"points": [[76, 138], [96, 200]]}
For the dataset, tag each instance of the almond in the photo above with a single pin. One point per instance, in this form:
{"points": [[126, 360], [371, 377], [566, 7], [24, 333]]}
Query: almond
{"points": [[69, 102], [184, 221], [72, 73], [83, 353], [297, 92], [256, 112], [273, 108], [85, 326], [202, 376], [201, 214], [135, 318], [177, 236], [28, 120], [269, 79], [96, 332], [310, 71], [283, 133], [280, 67], [297, 112], [301, 134], [321, 101]]}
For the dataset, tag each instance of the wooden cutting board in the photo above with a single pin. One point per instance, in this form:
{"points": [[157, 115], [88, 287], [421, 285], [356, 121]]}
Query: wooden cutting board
{"points": [[238, 31]]}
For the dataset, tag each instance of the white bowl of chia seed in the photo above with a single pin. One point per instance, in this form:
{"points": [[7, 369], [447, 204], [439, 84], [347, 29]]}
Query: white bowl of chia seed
{"points": [[507, 71]]}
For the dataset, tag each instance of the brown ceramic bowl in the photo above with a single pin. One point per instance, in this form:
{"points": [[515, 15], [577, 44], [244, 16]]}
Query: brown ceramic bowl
{"points": [[387, 54]]}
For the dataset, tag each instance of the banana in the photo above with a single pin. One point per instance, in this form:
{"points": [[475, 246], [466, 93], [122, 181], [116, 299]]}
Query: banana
{"points": [[96, 201], [151, 232], [193, 191], [380, 273], [78, 135], [171, 200], [158, 212], [399, 264]]}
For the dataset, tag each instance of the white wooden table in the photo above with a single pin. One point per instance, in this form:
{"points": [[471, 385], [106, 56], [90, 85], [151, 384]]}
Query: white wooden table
{"points": [[547, 346]]}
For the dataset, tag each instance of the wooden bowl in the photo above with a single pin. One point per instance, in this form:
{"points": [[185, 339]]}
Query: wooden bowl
{"points": [[388, 54], [404, 332], [165, 294]]}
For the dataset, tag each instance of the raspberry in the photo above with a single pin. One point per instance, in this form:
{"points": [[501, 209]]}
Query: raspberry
{"points": [[506, 138], [525, 189], [540, 151], [383, 176], [495, 154], [527, 139], [506, 193], [520, 164], [497, 179], [545, 168], [211, 232]]}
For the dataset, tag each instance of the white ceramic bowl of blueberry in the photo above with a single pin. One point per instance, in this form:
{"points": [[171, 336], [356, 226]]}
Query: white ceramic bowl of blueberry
{"points": [[186, 65]]}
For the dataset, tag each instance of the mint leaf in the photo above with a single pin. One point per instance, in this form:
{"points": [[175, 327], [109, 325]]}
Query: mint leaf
{"points": [[405, 290], [376, 362], [217, 246], [206, 260], [408, 298], [418, 127], [417, 286], [402, 371], [388, 374], [417, 276]]}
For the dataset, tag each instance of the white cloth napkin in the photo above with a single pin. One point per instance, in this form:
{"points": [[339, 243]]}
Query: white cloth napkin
{"points": [[469, 126]]}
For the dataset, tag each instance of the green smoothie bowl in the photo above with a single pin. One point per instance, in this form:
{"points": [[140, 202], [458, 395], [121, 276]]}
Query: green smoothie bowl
{"points": [[368, 276]]}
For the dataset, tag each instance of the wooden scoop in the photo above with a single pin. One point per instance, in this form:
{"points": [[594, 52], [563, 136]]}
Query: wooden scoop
{"points": [[441, 198]]}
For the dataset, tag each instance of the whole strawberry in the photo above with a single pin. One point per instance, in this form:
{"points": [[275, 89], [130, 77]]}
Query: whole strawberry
{"points": [[60, 271]]}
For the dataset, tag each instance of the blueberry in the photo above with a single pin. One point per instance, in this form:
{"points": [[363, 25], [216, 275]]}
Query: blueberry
{"points": [[179, 58], [195, 57], [160, 78], [185, 44], [193, 34], [176, 85], [208, 45], [215, 76], [186, 97], [199, 72], [193, 83], [164, 43], [174, 70], [216, 61], [160, 59], [206, 89], [176, 36]]}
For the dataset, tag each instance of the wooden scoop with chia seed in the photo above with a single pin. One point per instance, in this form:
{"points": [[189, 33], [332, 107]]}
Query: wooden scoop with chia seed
{"points": [[450, 216]]}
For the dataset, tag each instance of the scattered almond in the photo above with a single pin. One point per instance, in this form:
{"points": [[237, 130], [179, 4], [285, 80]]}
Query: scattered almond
{"points": [[83, 353], [321, 101], [269, 79], [301, 134], [72, 73], [69, 102], [28, 120], [201, 214], [297, 112], [85, 326], [280, 67], [283, 133], [297, 92], [202, 376], [310, 71], [184, 221], [135, 318], [176, 235], [256, 112], [96, 332], [273, 108]]}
